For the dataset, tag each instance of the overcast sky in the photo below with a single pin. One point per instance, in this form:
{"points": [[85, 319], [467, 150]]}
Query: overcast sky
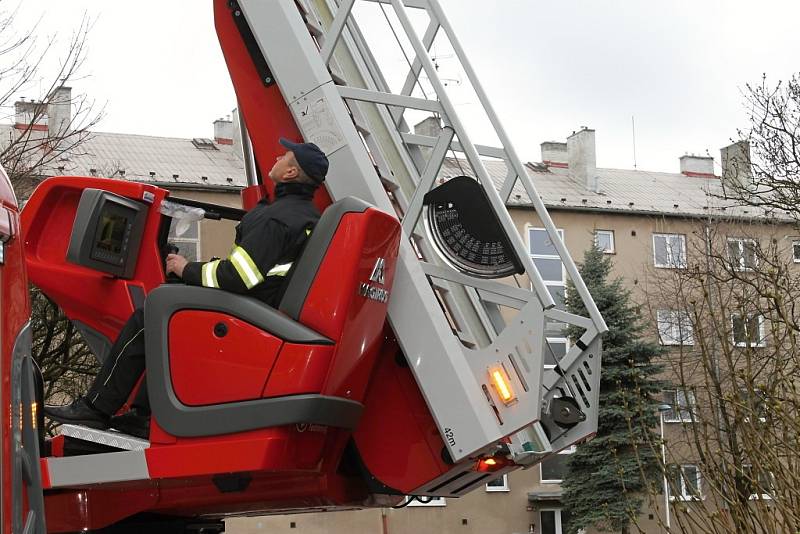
{"points": [[678, 67]]}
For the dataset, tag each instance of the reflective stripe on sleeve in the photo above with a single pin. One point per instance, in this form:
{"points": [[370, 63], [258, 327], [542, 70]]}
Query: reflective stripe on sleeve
{"points": [[280, 270], [246, 267], [210, 274]]}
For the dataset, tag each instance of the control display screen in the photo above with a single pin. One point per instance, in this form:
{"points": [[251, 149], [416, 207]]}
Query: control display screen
{"points": [[107, 233], [112, 231]]}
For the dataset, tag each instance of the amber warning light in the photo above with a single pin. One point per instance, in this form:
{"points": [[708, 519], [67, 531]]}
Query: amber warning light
{"points": [[502, 384]]}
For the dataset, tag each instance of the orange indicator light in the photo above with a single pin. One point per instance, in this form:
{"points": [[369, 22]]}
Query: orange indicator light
{"points": [[502, 386], [490, 461]]}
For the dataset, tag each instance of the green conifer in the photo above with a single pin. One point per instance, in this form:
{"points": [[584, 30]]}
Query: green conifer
{"points": [[608, 475]]}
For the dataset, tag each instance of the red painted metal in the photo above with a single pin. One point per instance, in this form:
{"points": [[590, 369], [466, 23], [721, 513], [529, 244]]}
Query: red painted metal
{"points": [[397, 437], [208, 368], [248, 363], [89, 509], [299, 369], [94, 298], [14, 311], [334, 306], [251, 195], [694, 174], [264, 109]]}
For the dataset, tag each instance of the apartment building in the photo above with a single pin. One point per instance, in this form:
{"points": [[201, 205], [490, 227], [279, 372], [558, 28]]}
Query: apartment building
{"points": [[652, 224]]}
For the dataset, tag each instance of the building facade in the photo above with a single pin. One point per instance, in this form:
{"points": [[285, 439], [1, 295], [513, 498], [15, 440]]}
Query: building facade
{"points": [[652, 224]]}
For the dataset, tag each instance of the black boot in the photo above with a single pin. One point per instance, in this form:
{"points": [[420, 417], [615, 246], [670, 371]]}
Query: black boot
{"points": [[80, 412], [135, 422]]}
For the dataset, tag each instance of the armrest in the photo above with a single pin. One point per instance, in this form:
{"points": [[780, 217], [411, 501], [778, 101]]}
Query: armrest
{"points": [[191, 421], [163, 301]]}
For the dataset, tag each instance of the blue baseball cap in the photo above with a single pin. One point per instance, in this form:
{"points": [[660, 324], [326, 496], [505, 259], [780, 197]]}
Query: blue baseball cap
{"points": [[310, 158]]}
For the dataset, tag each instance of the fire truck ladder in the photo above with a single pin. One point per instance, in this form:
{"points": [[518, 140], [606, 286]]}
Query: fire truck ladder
{"points": [[475, 343]]}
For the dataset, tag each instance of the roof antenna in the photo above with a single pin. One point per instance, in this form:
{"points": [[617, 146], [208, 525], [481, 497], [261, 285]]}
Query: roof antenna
{"points": [[633, 129]]}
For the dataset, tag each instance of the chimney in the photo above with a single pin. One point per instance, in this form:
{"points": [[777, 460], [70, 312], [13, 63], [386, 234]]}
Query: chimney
{"points": [[736, 166], [31, 115], [699, 166], [59, 110], [223, 131], [431, 127], [582, 158], [554, 154], [238, 147]]}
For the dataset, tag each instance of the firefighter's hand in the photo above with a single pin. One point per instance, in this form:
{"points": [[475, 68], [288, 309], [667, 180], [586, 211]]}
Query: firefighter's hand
{"points": [[175, 264]]}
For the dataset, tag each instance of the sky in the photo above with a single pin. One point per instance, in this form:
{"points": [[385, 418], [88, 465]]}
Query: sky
{"points": [[678, 68]]}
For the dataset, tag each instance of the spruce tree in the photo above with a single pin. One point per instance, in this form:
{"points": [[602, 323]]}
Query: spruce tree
{"points": [[608, 475]]}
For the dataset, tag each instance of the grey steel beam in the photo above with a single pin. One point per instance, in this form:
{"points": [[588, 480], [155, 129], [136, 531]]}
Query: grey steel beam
{"points": [[472, 156], [427, 180], [547, 222], [335, 30], [389, 99], [428, 141]]}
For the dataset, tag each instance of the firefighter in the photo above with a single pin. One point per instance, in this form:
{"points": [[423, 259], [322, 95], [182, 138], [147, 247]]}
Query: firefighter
{"points": [[268, 239]]}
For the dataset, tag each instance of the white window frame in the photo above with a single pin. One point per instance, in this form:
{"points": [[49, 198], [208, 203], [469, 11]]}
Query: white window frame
{"points": [[679, 329], [761, 401], [549, 283], [764, 496], [738, 263], [795, 257], [569, 450], [610, 233], [685, 495], [436, 501], [671, 263], [556, 339], [559, 524], [761, 340], [504, 487], [178, 241], [677, 408]]}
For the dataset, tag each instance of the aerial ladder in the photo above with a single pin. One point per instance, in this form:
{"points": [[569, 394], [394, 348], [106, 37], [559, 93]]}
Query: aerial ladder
{"points": [[408, 354]]}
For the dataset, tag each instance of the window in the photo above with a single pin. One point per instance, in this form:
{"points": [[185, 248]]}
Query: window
{"points": [[684, 482], [553, 521], [753, 403], [548, 262], [554, 467], [556, 349], [748, 330], [761, 483], [681, 404], [426, 501], [669, 250], [498, 484], [674, 327], [187, 239], [796, 251], [204, 144], [604, 240], [742, 253]]}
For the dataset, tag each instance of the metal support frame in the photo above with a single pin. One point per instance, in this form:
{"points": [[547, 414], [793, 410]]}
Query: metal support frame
{"points": [[453, 378]]}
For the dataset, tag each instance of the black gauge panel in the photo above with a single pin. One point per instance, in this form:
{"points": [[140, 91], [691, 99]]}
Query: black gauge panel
{"points": [[467, 231]]}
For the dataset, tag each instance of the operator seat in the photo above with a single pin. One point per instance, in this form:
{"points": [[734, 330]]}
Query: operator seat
{"points": [[218, 362]]}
